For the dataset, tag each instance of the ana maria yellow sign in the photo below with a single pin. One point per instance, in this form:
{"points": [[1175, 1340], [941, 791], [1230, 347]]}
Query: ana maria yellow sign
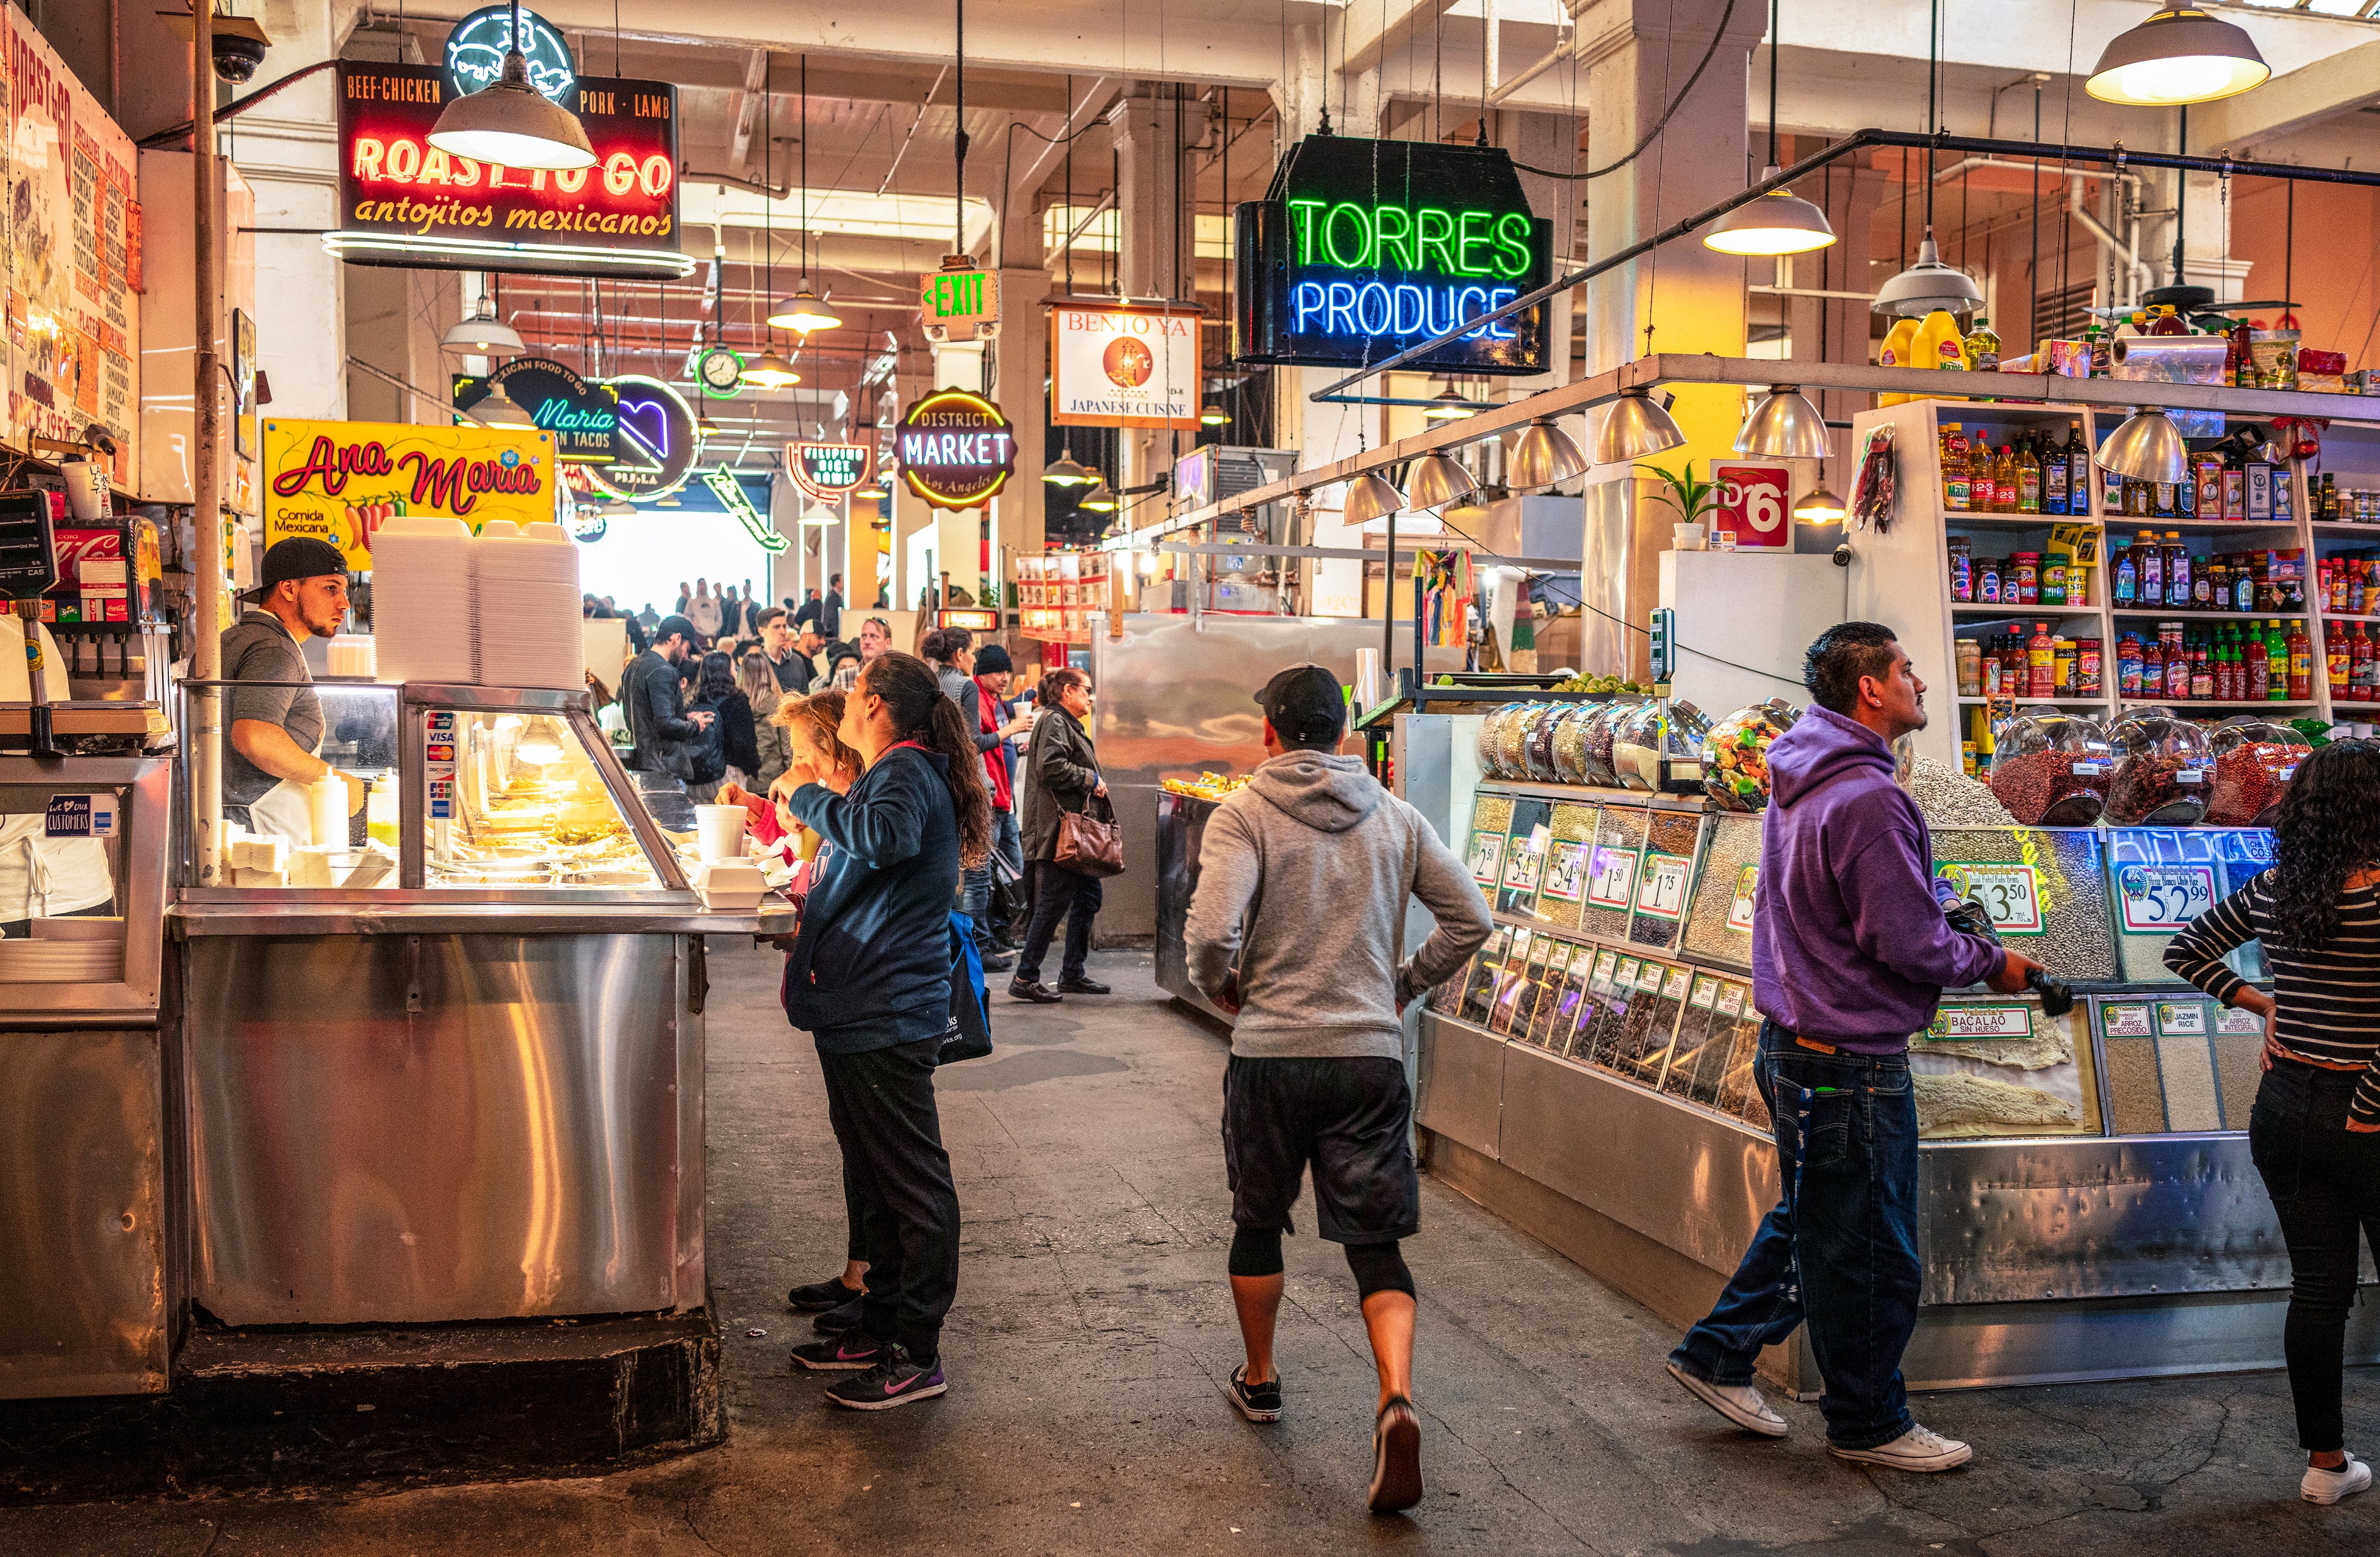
{"points": [[340, 480]]}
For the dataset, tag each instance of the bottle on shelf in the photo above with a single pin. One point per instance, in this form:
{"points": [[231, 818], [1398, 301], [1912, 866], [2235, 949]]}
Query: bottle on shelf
{"points": [[2167, 322], [1982, 490], [2259, 668], [2176, 571], [2063, 654], [2363, 668], [2124, 579], [2028, 479], [2078, 469], [2089, 668], [1954, 467], [2328, 509], [2300, 663], [2177, 665], [2130, 666], [2041, 663], [1983, 347], [2148, 564], [1938, 343], [2202, 672], [2336, 650], [2004, 486]]}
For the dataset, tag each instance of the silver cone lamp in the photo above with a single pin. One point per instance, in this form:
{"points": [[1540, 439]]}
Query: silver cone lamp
{"points": [[1545, 456], [1098, 500], [1926, 285], [1784, 426], [2147, 447], [512, 123], [1778, 223], [1370, 497], [2178, 55], [1436, 481], [497, 408], [1066, 472], [1636, 428]]}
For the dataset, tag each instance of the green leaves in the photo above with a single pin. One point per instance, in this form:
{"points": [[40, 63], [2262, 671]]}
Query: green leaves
{"points": [[1690, 499]]}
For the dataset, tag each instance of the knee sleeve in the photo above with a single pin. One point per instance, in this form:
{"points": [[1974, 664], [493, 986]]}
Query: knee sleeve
{"points": [[1378, 1267], [1255, 1251]]}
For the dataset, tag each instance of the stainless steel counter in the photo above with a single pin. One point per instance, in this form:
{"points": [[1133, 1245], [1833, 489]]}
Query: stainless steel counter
{"points": [[1181, 823]]}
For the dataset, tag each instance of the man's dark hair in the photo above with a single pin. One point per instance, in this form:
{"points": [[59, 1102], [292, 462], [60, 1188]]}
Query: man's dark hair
{"points": [[772, 614], [1841, 656]]}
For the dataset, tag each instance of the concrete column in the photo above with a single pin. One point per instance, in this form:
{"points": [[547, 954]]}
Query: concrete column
{"points": [[1020, 384], [1158, 237], [1638, 55]]}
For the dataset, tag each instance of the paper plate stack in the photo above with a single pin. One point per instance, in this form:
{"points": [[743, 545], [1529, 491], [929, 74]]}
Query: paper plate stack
{"points": [[421, 601], [529, 615], [85, 950]]}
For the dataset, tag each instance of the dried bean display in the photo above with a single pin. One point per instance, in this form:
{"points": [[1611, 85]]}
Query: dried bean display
{"points": [[2160, 774], [1663, 883], [1525, 855], [1611, 872], [1948, 798], [2254, 761], [1562, 887], [1569, 743], [2051, 770], [1537, 743], [2068, 879], [1719, 925], [1479, 987], [1513, 748], [1595, 749]]}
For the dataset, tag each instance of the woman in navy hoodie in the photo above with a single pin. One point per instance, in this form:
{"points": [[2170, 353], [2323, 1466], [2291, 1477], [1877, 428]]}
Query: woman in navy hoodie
{"points": [[869, 977]]}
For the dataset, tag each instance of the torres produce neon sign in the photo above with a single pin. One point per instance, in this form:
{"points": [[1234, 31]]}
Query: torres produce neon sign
{"points": [[1361, 248]]}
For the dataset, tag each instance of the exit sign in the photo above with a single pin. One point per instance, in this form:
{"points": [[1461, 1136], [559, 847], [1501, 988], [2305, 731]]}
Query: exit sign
{"points": [[959, 305]]}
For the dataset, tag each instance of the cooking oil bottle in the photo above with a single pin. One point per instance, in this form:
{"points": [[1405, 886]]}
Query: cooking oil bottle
{"points": [[1897, 342]]}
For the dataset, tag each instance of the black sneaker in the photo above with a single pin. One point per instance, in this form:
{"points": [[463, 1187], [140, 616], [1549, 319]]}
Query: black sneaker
{"points": [[1257, 1403], [999, 962], [852, 1352], [1084, 987], [1037, 992], [895, 1379], [1396, 1458], [828, 1293], [842, 1317]]}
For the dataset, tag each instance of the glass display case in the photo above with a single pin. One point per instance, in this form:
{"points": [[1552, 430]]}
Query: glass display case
{"points": [[469, 794], [82, 885]]}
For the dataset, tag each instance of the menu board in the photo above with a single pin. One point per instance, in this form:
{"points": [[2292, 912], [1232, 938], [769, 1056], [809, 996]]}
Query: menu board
{"points": [[71, 227]]}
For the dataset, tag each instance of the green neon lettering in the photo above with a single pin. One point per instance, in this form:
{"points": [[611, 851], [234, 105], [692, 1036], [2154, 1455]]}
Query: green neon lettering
{"points": [[1392, 236], [1471, 240], [1301, 216], [1432, 229], [1513, 234], [1363, 236]]}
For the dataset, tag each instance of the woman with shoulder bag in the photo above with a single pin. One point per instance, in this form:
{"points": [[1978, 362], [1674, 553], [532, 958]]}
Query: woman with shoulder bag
{"points": [[1061, 768], [2314, 1131], [869, 978]]}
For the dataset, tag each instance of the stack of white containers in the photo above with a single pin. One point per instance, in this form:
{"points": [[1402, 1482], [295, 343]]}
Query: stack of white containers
{"points": [[526, 625], [421, 601]]}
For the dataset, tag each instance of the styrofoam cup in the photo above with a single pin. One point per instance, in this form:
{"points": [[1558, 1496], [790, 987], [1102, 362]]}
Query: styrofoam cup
{"points": [[720, 831]]}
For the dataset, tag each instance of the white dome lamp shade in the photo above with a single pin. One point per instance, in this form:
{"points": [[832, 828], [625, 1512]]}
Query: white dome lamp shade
{"points": [[1928, 285], [1636, 428], [1821, 506], [483, 334], [2147, 447], [1435, 481], [1784, 425], [1370, 497], [805, 313], [771, 372], [497, 408], [1778, 223], [512, 123], [1098, 500], [1068, 472], [2180, 54], [818, 516]]}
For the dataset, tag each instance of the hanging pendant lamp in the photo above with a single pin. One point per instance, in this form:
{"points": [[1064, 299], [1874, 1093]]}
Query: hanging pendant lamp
{"points": [[1545, 456], [1784, 426], [1928, 285], [1820, 507], [483, 334], [1447, 406], [1778, 223], [770, 371], [497, 408], [511, 123], [1212, 413], [2147, 447], [805, 313], [1436, 481], [1369, 496], [1099, 499], [2178, 55], [1066, 472], [1636, 428], [820, 516]]}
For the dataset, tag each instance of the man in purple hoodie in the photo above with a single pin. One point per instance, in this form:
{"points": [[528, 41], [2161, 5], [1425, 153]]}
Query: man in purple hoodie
{"points": [[1850, 952]]}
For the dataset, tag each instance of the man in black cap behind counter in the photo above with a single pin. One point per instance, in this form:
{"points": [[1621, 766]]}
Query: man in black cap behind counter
{"points": [[277, 730]]}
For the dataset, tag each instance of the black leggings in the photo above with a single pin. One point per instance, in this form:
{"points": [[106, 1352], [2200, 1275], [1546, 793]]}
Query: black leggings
{"points": [[2325, 1182], [1255, 1251]]}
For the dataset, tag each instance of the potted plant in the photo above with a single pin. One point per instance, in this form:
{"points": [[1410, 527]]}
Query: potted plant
{"points": [[1690, 499]]}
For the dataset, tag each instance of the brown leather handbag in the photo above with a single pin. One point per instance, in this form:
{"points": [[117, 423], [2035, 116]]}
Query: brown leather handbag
{"points": [[1090, 844]]}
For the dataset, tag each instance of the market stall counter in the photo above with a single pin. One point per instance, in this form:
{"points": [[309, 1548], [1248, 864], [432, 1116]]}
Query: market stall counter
{"points": [[2087, 1205]]}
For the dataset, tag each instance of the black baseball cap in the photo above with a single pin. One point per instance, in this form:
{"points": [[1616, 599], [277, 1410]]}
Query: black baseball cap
{"points": [[300, 556], [678, 626], [1307, 705]]}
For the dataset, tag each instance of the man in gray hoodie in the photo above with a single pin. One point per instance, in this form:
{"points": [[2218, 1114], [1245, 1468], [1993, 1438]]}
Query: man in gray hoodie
{"points": [[1297, 927]]}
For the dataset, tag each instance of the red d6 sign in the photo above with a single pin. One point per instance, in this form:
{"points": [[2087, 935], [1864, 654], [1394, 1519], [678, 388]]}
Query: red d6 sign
{"points": [[1756, 502]]}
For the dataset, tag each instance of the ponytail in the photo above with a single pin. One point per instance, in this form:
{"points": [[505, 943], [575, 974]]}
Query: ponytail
{"points": [[922, 713]]}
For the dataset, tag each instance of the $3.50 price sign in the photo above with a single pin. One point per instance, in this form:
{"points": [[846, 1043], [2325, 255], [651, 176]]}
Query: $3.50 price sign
{"points": [[1755, 502], [2153, 899], [2009, 893]]}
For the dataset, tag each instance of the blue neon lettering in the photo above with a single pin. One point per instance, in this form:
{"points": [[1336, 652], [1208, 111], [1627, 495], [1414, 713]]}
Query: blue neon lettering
{"points": [[1373, 292], [1431, 321], [1497, 298], [1304, 301], [1342, 303], [1408, 321], [1463, 311]]}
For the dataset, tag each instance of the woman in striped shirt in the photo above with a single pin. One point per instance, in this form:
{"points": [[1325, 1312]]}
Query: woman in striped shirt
{"points": [[2314, 1132]]}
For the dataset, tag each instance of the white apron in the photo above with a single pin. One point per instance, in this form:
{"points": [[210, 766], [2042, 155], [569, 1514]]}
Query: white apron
{"points": [[281, 811]]}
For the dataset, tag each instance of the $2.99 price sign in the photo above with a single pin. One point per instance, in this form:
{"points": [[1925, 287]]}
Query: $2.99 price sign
{"points": [[2162, 897], [2009, 893]]}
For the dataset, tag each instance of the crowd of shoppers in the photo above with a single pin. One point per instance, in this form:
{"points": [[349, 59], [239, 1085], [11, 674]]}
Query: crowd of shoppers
{"points": [[1063, 768]]}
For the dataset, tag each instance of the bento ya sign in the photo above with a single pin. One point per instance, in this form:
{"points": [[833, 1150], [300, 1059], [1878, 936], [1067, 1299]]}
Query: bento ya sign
{"points": [[1360, 248], [955, 449]]}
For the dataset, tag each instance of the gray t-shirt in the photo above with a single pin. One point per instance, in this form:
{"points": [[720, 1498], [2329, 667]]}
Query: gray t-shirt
{"points": [[259, 649]]}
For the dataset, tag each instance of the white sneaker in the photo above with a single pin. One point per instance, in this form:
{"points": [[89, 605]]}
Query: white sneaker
{"points": [[1740, 1404], [2329, 1485], [1919, 1449]]}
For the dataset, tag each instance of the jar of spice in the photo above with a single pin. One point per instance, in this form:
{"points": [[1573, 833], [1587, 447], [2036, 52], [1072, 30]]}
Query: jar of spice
{"points": [[2064, 656], [2089, 656], [1971, 668], [1963, 569], [1988, 575], [2024, 572], [2053, 580]]}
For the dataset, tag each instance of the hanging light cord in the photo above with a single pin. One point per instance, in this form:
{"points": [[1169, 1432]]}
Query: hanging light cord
{"points": [[1718, 35]]}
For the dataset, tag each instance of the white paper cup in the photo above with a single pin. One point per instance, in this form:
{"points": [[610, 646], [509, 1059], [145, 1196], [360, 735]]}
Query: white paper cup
{"points": [[720, 829]]}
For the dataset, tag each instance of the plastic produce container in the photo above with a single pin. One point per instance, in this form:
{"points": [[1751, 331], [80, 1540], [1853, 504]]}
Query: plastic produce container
{"points": [[2163, 764], [2052, 768]]}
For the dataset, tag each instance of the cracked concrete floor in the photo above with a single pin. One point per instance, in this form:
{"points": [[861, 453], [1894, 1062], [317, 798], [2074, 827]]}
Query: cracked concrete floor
{"points": [[1093, 1327]]}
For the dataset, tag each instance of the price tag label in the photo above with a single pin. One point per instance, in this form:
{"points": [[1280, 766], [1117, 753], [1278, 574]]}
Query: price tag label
{"points": [[2154, 899], [1739, 913], [1649, 978], [1524, 860], [2125, 1021], [2182, 1019], [1566, 873], [1486, 857], [1706, 993], [1625, 977], [1730, 1001], [2234, 1022], [1611, 879], [1968, 1023], [1674, 987], [2010, 894], [1605, 964], [1662, 890]]}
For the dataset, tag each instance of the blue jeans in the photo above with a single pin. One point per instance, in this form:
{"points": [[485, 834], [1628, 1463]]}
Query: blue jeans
{"points": [[1840, 1248]]}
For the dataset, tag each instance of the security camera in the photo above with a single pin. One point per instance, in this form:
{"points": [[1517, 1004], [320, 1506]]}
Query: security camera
{"points": [[237, 58], [1842, 554]]}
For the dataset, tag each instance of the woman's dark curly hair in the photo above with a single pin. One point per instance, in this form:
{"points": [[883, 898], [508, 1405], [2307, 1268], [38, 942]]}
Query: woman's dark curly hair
{"points": [[922, 714], [2328, 829]]}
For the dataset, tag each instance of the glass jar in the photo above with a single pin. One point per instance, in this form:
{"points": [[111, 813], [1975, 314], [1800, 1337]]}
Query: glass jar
{"points": [[1513, 748], [2090, 667], [1594, 753], [2161, 770], [2022, 585], [1735, 754], [1644, 740], [1491, 739], [1570, 742], [2254, 761], [1537, 743], [1963, 569], [1989, 574], [2050, 769]]}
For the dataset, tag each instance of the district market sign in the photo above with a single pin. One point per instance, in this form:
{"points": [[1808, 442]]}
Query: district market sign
{"points": [[827, 471], [955, 449]]}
